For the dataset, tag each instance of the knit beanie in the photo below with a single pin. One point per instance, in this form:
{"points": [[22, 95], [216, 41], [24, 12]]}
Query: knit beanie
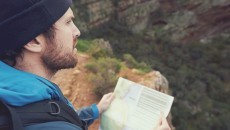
{"points": [[23, 20]]}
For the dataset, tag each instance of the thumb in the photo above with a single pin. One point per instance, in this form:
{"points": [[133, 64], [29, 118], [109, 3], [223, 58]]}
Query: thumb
{"points": [[165, 122], [159, 121]]}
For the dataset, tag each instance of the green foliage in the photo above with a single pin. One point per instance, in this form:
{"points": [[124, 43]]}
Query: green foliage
{"points": [[198, 75], [104, 74], [132, 63], [83, 45], [100, 48], [129, 60]]}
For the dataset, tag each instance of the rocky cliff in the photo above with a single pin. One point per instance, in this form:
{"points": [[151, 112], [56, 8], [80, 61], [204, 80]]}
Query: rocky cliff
{"points": [[132, 13], [182, 20]]}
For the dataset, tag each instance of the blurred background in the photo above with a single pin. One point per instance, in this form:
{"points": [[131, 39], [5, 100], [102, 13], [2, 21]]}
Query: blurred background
{"points": [[188, 41]]}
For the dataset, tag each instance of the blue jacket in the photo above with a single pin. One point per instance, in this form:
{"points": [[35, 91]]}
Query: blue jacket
{"points": [[19, 88]]}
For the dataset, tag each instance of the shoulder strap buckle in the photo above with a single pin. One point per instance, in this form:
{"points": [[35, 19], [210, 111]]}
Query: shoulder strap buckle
{"points": [[54, 108]]}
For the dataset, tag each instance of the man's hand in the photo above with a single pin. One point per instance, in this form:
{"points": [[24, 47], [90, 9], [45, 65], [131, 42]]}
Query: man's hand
{"points": [[162, 124], [105, 102]]}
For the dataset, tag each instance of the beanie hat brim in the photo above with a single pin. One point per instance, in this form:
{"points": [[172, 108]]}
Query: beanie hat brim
{"points": [[21, 28]]}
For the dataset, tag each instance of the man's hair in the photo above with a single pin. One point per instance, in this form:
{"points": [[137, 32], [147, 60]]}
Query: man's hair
{"points": [[10, 56]]}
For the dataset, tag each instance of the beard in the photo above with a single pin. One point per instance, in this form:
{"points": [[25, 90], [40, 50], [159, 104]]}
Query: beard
{"points": [[55, 58]]}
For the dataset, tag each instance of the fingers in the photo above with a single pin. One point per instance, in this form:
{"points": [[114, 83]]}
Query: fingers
{"points": [[105, 102], [108, 98], [111, 96]]}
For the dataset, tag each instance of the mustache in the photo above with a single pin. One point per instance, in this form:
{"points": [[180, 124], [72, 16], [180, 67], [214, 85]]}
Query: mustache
{"points": [[75, 42]]}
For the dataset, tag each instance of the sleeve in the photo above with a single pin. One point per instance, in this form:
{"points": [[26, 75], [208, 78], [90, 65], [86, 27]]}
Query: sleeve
{"points": [[88, 114]]}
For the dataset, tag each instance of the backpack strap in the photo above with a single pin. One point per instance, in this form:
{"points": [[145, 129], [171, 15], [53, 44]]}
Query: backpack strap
{"points": [[14, 118], [47, 111]]}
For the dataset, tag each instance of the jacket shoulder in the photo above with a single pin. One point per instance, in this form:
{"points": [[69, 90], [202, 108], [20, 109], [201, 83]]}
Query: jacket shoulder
{"points": [[55, 125]]}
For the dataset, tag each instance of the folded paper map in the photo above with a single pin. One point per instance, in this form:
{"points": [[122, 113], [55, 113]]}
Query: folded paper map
{"points": [[135, 107]]}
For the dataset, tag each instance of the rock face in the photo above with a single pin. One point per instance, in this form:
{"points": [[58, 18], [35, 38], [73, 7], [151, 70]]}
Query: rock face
{"points": [[92, 13], [131, 13], [181, 20]]}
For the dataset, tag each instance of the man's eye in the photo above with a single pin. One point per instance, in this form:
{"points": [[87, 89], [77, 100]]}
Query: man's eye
{"points": [[69, 21]]}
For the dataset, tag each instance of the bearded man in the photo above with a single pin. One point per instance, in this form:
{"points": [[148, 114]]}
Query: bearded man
{"points": [[38, 38]]}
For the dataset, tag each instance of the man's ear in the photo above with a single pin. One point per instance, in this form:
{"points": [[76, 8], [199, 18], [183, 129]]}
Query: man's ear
{"points": [[35, 45]]}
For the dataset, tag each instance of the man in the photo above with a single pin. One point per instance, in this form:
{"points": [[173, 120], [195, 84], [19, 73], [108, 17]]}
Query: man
{"points": [[38, 38]]}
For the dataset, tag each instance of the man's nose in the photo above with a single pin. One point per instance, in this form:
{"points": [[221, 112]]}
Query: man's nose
{"points": [[77, 32]]}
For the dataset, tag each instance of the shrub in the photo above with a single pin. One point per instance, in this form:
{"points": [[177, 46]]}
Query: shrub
{"points": [[100, 48], [132, 63], [103, 75], [83, 45]]}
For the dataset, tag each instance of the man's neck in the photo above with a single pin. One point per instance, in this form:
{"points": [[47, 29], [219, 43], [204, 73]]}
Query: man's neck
{"points": [[35, 67]]}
